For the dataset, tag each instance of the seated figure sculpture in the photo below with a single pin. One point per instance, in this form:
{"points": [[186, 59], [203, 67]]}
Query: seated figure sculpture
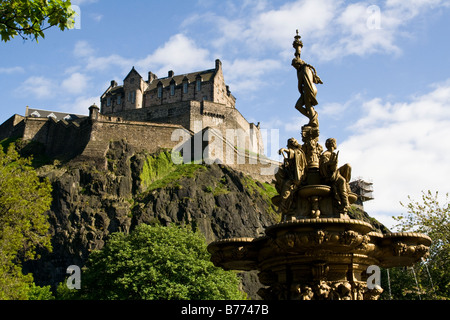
{"points": [[291, 174], [338, 178]]}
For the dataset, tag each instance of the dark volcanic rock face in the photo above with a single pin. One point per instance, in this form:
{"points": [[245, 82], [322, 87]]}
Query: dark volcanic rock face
{"points": [[215, 201], [89, 204]]}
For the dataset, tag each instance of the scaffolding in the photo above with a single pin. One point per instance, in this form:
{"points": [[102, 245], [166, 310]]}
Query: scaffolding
{"points": [[363, 188]]}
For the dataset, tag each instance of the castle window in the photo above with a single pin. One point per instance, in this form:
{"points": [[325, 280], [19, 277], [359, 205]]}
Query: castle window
{"points": [[159, 91], [185, 87], [119, 100], [172, 89], [132, 97], [108, 101], [199, 84]]}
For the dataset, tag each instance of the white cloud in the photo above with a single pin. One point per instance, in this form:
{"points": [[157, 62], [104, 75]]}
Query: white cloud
{"points": [[40, 87], [364, 29], [80, 105], [88, 55], [244, 75], [83, 49], [278, 26], [180, 54], [402, 147], [11, 70], [75, 84], [97, 17], [330, 29], [104, 63]]}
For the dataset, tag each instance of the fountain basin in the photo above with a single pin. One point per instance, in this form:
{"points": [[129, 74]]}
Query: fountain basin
{"points": [[316, 252]]}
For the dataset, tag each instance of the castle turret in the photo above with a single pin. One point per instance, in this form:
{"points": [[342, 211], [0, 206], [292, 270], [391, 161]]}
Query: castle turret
{"points": [[93, 112]]}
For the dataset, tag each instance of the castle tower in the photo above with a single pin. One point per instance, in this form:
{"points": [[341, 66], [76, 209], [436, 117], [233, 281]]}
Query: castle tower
{"points": [[133, 87]]}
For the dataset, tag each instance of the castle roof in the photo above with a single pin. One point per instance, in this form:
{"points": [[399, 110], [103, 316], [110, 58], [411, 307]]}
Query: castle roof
{"points": [[39, 113], [133, 72], [116, 89], [206, 75]]}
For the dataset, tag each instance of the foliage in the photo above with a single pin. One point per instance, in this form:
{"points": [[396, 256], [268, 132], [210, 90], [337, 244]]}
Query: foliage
{"points": [[24, 199], [156, 263], [266, 190], [432, 218], [221, 187], [40, 293], [159, 171], [156, 167], [64, 293], [32, 17]]}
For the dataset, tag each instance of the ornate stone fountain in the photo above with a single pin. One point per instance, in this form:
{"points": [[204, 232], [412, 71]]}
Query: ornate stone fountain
{"points": [[317, 251]]}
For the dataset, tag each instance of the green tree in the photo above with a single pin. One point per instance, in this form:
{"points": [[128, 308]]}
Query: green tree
{"points": [[40, 293], [431, 217], [156, 263], [32, 17], [24, 199]]}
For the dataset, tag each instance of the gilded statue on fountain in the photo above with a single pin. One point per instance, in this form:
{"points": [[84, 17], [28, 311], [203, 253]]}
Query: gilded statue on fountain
{"points": [[309, 177], [307, 78]]}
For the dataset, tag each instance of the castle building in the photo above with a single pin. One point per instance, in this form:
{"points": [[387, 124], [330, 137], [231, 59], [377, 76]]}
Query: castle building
{"points": [[147, 113], [136, 93], [194, 100]]}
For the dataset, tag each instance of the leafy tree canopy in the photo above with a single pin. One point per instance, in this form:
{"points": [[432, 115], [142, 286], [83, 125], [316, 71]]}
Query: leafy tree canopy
{"points": [[24, 199], [156, 263], [30, 18], [430, 216]]}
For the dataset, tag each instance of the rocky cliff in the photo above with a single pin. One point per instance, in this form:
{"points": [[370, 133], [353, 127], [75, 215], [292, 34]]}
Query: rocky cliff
{"points": [[89, 204]]}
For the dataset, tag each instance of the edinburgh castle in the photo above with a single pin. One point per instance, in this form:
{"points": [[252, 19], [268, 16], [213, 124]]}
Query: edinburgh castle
{"points": [[194, 113]]}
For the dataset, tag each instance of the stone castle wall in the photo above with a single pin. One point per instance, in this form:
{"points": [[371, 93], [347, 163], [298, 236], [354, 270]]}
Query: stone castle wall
{"points": [[142, 136], [13, 127], [90, 140], [195, 116]]}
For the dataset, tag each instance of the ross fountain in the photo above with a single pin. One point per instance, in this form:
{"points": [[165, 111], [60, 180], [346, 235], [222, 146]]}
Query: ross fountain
{"points": [[317, 251]]}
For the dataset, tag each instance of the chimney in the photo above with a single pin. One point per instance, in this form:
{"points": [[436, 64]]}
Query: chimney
{"points": [[218, 64], [151, 77], [113, 83], [171, 73]]}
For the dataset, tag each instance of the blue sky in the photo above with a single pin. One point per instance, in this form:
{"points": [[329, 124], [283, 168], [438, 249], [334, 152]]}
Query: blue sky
{"points": [[385, 67]]}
